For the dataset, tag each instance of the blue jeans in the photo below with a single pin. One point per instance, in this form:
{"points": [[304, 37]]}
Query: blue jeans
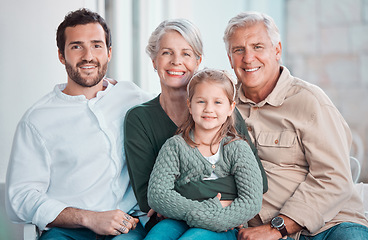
{"points": [[342, 231], [83, 233], [170, 229]]}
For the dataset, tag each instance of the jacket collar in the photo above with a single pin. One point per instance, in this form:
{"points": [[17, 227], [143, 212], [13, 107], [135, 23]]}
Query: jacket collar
{"points": [[278, 94]]}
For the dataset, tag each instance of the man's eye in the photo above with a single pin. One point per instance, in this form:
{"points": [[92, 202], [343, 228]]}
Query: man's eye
{"points": [[238, 50], [257, 47], [76, 47]]}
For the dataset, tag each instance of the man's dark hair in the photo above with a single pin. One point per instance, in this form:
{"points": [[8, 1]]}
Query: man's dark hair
{"points": [[80, 17]]}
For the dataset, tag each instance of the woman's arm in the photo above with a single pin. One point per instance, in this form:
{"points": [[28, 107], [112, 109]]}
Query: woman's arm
{"points": [[140, 156]]}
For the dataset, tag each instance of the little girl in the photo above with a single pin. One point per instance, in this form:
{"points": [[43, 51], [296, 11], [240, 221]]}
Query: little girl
{"points": [[206, 148]]}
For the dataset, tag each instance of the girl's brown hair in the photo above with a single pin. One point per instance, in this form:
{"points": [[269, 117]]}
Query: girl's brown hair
{"points": [[227, 128]]}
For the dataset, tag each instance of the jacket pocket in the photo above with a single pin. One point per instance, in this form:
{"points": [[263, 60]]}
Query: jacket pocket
{"points": [[278, 147]]}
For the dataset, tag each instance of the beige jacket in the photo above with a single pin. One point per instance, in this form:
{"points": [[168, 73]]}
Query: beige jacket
{"points": [[304, 144]]}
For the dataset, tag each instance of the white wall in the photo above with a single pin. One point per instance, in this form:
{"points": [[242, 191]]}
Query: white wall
{"points": [[210, 16], [28, 54], [29, 65]]}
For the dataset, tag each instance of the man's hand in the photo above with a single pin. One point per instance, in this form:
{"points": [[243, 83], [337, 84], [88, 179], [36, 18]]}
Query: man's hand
{"points": [[113, 222], [264, 232]]}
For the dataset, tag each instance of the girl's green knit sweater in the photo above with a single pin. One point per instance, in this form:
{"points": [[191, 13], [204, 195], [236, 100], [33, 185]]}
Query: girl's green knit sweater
{"points": [[178, 164]]}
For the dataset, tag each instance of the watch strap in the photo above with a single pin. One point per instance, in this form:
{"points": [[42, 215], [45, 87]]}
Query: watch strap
{"points": [[283, 230]]}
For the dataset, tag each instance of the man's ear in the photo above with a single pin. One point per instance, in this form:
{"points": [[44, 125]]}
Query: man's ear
{"points": [[278, 51], [61, 57], [231, 62], [109, 54]]}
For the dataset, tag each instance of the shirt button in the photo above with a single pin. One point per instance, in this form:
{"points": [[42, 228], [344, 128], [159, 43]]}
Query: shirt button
{"points": [[213, 166], [249, 129], [276, 141]]}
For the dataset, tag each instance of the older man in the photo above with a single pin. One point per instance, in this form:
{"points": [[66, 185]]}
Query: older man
{"points": [[302, 141]]}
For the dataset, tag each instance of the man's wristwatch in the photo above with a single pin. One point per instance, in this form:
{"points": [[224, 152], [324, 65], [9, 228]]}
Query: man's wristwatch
{"points": [[279, 224]]}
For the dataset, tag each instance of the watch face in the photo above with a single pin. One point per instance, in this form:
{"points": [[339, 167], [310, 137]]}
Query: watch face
{"points": [[277, 222]]}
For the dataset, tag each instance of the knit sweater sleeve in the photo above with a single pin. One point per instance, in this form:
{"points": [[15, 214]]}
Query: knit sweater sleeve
{"points": [[162, 197], [248, 181]]}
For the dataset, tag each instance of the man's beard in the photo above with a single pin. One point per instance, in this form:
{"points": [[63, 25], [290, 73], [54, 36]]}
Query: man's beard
{"points": [[75, 75]]}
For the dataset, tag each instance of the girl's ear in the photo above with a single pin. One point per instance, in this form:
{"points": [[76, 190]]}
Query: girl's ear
{"points": [[189, 106], [232, 107]]}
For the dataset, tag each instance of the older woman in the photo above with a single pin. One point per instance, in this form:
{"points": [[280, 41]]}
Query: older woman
{"points": [[175, 48]]}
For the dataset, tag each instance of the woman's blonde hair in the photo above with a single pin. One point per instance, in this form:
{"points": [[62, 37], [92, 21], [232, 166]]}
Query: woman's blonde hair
{"points": [[227, 129]]}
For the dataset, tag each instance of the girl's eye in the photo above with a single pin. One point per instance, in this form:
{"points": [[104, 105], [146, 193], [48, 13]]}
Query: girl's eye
{"points": [[217, 102]]}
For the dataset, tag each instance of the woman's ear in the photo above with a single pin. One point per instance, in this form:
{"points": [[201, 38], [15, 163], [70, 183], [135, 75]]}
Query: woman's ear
{"points": [[154, 64], [199, 60]]}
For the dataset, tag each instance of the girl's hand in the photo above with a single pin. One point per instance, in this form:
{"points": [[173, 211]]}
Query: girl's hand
{"points": [[159, 217], [224, 203], [150, 213]]}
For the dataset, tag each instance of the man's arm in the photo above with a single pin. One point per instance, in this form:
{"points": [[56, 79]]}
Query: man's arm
{"points": [[112, 222]]}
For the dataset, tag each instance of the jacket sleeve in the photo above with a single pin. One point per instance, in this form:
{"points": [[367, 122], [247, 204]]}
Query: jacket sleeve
{"points": [[248, 181], [140, 156], [28, 180], [326, 141]]}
